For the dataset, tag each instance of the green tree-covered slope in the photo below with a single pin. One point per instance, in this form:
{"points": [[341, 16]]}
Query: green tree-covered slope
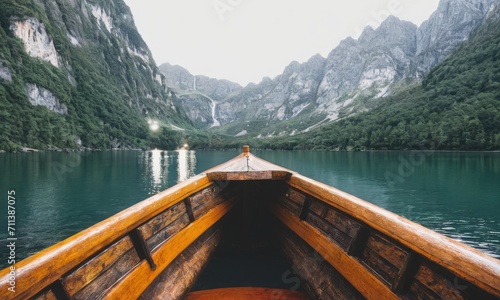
{"points": [[106, 78]]}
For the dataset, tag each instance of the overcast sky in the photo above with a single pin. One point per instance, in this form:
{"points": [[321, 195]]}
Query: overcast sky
{"points": [[245, 40]]}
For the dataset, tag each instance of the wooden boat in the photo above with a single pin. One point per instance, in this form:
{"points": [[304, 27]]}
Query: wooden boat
{"points": [[336, 246]]}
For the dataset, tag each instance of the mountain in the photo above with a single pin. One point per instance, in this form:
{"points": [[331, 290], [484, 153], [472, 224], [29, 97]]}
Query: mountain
{"points": [[76, 74], [353, 78], [198, 95], [455, 107], [449, 26]]}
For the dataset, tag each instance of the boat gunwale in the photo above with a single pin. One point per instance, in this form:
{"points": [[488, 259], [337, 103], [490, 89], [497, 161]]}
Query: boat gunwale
{"points": [[460, 259], [40, 270]]}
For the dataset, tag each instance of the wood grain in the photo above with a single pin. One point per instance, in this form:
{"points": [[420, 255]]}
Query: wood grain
{"points": [[462, 260], [137, 281], [181, 274], [365, 282], [78, 279], [42, 269]]}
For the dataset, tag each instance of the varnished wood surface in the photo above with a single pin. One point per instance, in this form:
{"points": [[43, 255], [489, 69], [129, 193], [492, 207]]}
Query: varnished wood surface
{"points": [[138, 280], [365, 282], [462, 260], [247, 166], [181, 274], [38, 271], [246, 293]]}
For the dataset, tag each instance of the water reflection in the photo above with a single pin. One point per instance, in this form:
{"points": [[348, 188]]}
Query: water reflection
{"points": [[163, 169], [156, 165], [186, 164]]}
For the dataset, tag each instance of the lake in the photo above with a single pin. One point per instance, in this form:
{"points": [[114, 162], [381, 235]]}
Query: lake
{"points": [[58, 194]]}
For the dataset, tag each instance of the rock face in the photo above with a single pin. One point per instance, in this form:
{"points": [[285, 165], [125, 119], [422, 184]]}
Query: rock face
{"points": [[281, 98], [354, 76], [37, 42], [43, 97], [367, 68], [449, 25]]}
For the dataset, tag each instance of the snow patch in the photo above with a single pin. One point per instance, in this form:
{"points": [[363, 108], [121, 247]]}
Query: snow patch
{"points": [[101, 15], [37, 43], [40, 96]]}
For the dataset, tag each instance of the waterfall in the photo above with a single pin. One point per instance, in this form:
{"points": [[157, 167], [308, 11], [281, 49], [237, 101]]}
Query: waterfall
{"points": [[216, 122]]}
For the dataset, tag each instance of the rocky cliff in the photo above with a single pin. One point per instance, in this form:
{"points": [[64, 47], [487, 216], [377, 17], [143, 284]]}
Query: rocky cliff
{"points": [[81, 66], [449, 26]]}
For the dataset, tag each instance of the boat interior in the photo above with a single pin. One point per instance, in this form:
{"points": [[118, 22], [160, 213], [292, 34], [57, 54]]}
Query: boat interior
{"points": [[249, 229]]}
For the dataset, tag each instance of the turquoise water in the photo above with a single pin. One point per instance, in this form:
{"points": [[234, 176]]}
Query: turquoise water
{"points": [[59, 194]]}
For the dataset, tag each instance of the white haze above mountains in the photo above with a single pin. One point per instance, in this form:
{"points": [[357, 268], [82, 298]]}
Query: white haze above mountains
{"points": [[244, 41]]}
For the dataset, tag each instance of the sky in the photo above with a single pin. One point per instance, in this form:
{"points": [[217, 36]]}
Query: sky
{"points": [[246, 40]]}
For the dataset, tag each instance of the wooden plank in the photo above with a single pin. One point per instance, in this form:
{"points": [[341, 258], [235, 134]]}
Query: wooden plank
{"points": [[340, 220], [45, 267], [168, 232], [441, 286], [98, 287], [463, 261], [295, 196], [290, 205], [181, 274], [93, 268], [332, 232], [364, 281], [419, 292], [134, 284], [379, 266], [317, 276], [162, 220], [388, 250], [207, 204], [246, 293]]}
